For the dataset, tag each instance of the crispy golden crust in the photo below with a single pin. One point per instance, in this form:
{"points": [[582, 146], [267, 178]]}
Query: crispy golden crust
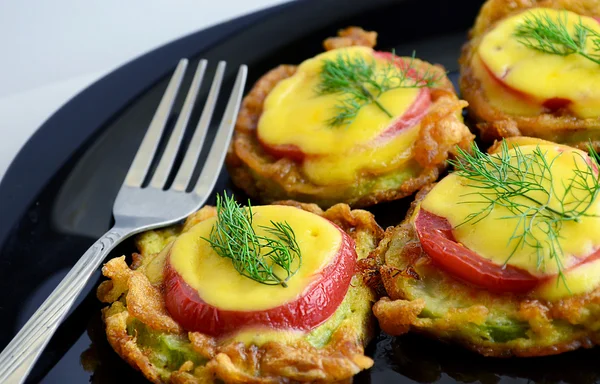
{"points": [[558, 126], [423, 298], [229, 361], [125, 346], [349, 37], [268, 179]]}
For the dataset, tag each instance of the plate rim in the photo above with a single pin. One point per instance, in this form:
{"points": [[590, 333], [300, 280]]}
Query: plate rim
{"points": [[95, 111]]}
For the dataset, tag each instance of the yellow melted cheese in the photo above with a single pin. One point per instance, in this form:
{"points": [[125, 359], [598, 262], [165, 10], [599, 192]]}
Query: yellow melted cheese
{"points": [[578, 280], [499, 98], [294, 114], [455, 198], [540, 75], [220, 285], [374, 160]]}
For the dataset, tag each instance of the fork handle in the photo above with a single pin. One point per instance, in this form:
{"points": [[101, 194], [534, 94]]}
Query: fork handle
{"points": [[19, 356]]}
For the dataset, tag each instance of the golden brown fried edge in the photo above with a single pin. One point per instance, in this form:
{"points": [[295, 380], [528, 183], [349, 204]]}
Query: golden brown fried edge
{"points": [[399, 266], [274, 362], [493, 123], [267, 178]]}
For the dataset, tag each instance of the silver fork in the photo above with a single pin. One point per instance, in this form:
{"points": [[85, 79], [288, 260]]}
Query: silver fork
{"points": [[137, 209]]}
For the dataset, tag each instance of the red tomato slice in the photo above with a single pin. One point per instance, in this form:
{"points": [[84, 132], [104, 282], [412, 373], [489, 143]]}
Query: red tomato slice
{"points": [[500, 82], [553, 104], [418, 108], [411, 117], [556, 103], [318, 302], [278, 151], [437, 240]]}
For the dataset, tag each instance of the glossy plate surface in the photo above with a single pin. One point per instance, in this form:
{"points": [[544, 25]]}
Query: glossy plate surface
{"points": [[57, 196]]}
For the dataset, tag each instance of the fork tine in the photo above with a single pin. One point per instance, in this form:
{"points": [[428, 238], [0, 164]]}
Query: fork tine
{"points": [[145, 154], [193, 152], [166, 162], [218, 150]]}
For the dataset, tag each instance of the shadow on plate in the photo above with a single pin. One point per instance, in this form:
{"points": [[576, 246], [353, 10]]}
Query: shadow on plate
{"points": [[413, 357], [425, 360]]}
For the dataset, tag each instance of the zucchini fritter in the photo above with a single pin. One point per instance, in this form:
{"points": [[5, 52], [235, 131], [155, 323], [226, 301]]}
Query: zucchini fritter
{"points": [[554, 125], [424, 298], [141, 331], [267, 178]]}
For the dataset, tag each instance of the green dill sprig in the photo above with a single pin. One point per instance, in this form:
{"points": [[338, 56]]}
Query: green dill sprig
{"points": [[361, 82], [524, 184], [543, 33], [252, 255]]}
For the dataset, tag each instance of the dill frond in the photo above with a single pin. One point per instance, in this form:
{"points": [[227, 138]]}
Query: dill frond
{"points": [[523, 183], [252, 255], [544, 34], [360, 82]]}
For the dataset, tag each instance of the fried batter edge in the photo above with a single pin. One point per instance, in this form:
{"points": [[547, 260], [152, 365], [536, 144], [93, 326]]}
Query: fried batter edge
{"points": [[274, 362]]}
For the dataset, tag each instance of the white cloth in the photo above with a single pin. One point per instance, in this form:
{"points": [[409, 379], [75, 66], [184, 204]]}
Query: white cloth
{"points": [[52, 50]]}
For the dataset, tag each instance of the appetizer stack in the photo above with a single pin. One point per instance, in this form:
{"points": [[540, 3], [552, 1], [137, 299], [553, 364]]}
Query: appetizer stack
{"points": [[246, 294], [351, 125], [530, 68], [502, 255]]}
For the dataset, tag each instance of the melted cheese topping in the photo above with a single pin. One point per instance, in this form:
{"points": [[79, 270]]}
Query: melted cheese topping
{"points": [[539, 75], [498, 96], [578, 280], [455, 198], [372, 160], [294, 114], [220, 285]]}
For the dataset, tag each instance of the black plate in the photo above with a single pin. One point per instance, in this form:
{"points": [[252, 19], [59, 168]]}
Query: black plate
{"points": [[56, 198]]}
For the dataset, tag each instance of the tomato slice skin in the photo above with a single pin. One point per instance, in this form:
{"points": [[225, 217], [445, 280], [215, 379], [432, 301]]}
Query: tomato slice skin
{"points": [[501, 83], [556, 103], [411, 117], [417, 110], [318, 302], [290, 151], [437, 240], [551, 105]]}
